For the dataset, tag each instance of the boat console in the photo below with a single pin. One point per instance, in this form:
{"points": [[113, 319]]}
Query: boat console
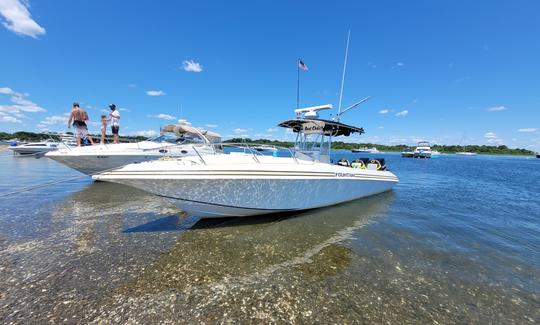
{"points": [[314, 135]]}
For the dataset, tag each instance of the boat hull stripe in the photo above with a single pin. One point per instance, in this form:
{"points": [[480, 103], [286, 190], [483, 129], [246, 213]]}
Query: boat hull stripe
{"points": [[223, 205]]}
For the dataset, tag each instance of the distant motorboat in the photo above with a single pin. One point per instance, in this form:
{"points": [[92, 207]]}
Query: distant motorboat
{"points": [[466, 153], [423, 150], [12, 142], [407, 153], [366, 150], [34, 148], [264, 147]]}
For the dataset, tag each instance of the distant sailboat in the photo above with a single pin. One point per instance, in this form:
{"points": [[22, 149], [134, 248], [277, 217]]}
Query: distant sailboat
{"points": [[466, 152]]}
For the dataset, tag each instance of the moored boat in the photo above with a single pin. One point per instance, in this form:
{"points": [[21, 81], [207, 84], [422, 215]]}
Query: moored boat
{"points": [[249, 183], [407, 153], [176, 140], [423, 150], [37, 148], [365, 150]]}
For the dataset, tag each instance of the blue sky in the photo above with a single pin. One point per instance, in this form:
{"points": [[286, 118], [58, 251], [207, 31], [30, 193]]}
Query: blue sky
{"points": [[444, 71]]}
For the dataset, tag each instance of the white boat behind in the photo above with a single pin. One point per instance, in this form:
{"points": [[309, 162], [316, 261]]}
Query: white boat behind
{"points": [[176, 140], [407, 153], [365, 150], [38, 148], [249, 183], [423, 150]]}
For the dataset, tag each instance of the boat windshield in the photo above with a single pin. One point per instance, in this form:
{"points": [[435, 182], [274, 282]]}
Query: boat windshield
{"points": [[175, 139], [312, 142]]}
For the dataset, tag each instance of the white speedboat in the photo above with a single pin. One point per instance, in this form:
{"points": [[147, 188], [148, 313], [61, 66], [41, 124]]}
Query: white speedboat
{"points": [[466, 153], [423, 150], [265, 147], [176, 140], [407, 153], [366, 150], [37, 148], [249, 183]]}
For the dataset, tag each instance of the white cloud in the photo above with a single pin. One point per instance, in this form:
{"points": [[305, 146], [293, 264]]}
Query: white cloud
{"points": [[402, 113], [9, 119], [164, 116], [239, 131], [272, 130], [496, 109], [490, 135], [384, 111], [55, 119], [146, 133], [211, 126], [155, 93], [400, 64], [191, 66], [6, 91], [527, 130], [19, 102], [380, 127], [17, 18]]}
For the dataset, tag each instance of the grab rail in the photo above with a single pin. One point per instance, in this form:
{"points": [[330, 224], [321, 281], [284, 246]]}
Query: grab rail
{"points": [[198, 154]]}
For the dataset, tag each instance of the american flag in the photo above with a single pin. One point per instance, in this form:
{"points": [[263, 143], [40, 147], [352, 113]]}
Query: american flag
{"points": [[302, 65]]}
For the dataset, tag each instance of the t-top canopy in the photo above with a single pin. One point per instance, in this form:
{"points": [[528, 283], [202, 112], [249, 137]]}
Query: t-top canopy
{"points": [[320, 126]]}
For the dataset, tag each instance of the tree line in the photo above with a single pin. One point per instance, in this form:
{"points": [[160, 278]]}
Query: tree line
{"points": [[338, 145]]}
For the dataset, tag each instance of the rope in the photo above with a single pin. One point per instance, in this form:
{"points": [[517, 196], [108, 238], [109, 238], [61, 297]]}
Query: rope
{"points": [[33, 187]]}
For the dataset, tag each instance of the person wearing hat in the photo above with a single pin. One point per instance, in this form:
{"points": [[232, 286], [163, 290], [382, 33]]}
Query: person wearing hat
{"points": [[115, 122]]}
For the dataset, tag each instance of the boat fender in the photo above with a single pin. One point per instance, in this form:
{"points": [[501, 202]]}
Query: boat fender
{"points": [[358, 164], [377, 163]]}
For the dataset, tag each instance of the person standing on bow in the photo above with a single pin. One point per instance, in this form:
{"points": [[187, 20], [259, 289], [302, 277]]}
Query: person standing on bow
{"points": [[79, 118], [104, 121], [115, 122]]}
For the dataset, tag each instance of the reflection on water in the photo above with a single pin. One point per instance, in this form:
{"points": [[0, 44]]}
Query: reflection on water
{"points": [[455, 242], [247, 248]]}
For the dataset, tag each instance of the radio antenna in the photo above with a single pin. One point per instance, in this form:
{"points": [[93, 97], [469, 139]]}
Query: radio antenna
{"points": [[343, 76]]}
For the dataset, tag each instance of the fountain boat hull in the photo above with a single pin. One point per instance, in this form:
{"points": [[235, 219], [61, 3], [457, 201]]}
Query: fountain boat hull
{"points": [[238, 187]]}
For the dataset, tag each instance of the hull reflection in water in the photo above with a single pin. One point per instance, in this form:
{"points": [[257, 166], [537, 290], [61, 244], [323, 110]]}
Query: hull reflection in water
{"points": [[240, 251]]}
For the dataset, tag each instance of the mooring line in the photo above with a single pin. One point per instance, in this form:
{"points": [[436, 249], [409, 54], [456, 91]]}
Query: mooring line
{"points": [[33, 187]]}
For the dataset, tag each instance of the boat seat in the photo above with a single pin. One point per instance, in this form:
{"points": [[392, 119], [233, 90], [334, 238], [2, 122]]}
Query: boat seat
{"points": [[344, 162]]}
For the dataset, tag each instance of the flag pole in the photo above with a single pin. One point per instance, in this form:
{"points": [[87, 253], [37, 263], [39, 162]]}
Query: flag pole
{"points": [[298, 84]]}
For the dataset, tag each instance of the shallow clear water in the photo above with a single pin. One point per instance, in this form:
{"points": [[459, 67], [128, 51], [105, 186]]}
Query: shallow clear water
{"points": [[456, 241]]}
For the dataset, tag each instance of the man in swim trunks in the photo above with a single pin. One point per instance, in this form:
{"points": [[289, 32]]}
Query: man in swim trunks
{"points": [[79, 118], [115, 122]]}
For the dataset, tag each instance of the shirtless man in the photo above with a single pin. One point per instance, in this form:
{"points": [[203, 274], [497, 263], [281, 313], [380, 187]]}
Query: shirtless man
{"points": [[79, 118]]}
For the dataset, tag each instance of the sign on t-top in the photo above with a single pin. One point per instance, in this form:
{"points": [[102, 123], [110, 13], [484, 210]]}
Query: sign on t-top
{"points": [[313, 127]]}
